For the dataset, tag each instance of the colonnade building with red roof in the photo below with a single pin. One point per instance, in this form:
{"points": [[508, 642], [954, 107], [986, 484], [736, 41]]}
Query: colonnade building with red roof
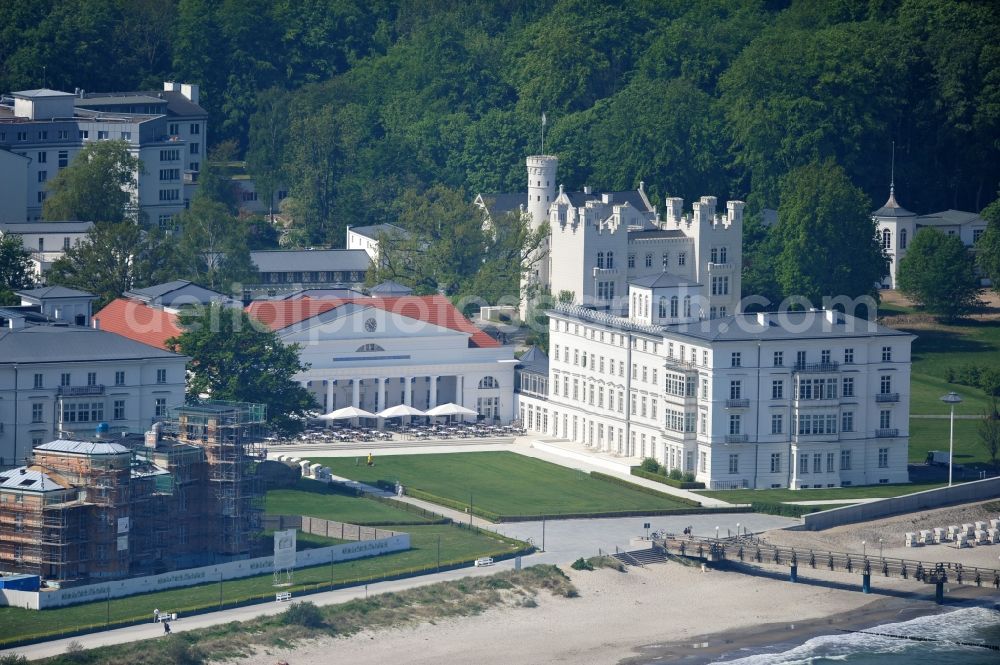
{"points": [[367, 352]]}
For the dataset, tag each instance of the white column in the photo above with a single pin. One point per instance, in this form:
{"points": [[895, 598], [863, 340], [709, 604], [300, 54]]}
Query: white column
{"points": [[329, 395], [460, 385], [407, 391], [356, 398], [434, 392], [380, 395]]}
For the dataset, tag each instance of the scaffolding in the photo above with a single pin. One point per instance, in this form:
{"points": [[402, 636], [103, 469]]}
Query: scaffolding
{"points": [[230, 433]]}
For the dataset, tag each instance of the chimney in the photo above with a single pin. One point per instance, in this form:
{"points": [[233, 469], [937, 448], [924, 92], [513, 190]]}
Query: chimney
{"points": [[170, 86], [190, 90], [763, 318], [675, 208], [586, 189], [153, 435]]}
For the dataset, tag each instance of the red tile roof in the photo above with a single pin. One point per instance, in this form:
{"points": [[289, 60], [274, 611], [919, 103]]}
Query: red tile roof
{"points": [[436, 310], [138, 321]]}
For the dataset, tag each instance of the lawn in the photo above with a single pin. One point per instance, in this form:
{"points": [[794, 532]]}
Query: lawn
{"points": [[783, 495], [503, 483], [337, 507], [932, 434], [939, 347]]}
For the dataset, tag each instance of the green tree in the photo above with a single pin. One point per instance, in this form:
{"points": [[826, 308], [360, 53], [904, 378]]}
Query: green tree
{"points": [[95, 187], [938, 272], [826, 238], [235, 358], [268, 137], [15, 268], [988, 247], [115, 257], [509, 253], [212, 248]]}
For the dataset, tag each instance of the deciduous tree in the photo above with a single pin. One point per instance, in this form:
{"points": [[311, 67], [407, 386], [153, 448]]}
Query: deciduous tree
{"points": [[939, 273], [236, 358], [15, 268], [95, 187]]}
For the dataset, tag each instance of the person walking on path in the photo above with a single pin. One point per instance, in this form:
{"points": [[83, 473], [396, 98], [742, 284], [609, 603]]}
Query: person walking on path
{"points": [[156, 615], [166, 627]]}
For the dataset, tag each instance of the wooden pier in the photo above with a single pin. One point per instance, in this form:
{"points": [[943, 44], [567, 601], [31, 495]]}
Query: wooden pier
{"points": [[754, 550]]}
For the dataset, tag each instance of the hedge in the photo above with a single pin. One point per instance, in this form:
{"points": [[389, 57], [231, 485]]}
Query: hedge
{"points": [[679, 484], [641, 488]]}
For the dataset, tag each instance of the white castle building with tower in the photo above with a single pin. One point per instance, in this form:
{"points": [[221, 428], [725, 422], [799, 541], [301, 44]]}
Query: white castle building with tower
{"points": [[598, 244]]}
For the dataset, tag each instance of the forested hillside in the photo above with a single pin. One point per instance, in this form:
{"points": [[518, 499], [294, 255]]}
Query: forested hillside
{"points": [[352, 102]]}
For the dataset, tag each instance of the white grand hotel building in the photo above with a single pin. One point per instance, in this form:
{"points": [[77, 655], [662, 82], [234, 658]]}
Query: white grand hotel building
{"points": [[655, 359]]}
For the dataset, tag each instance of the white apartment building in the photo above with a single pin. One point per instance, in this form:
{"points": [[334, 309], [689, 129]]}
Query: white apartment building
{"points": [[599, 243], [897, 226], [367, 237], [795, 399], [57, 380], [13, 185], [47, 241], [165, 129]]}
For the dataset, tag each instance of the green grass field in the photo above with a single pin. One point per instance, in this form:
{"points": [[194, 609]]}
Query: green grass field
{"points": [[932, 434], [783, 495], [336, 507], [939, 347], [503, 483]]}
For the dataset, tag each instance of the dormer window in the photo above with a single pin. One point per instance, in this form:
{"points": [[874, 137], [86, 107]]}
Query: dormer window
{"points": [[369, 347]]}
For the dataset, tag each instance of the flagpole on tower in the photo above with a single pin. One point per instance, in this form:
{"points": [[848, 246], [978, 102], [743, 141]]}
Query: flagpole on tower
{"points": [[543, 133]]}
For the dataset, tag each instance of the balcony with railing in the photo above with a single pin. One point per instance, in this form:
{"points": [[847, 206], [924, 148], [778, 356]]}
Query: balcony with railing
{"points": [[720, 267], [737, 403], [886, 433], [606, 272], [829, 366], [737, 438], [80, 391], [887, 397]]}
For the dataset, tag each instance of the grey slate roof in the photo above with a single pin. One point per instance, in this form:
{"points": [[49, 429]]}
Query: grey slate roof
{"points": [[745, 327], [317, 294], [535, 360], [501, 203], [40, 92], [651, 234], [299, 260], [178, 290], [175, 102], [949, 217], [60, 343], [390, 288], [84, 447], [46, 227], [54, 292], [892, 209], [579, 199], [32, 480], [661, 281], [373, 230]]}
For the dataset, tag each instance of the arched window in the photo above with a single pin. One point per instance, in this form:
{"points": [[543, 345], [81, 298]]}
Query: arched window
{"points": [[902, 238], [488, 382], [722, 255], [600, 260], [886, 239], [673, 307], [687, 307], [611, 260], [369, 347], [663, 307], [649, 260]]}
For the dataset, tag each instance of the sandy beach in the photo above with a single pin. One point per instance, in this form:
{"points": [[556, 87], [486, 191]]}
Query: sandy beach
{"points": [[616, 617], [670, 612]]}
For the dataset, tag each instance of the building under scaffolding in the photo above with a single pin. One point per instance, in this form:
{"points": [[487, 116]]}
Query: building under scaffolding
{"points": [[83, 511]]}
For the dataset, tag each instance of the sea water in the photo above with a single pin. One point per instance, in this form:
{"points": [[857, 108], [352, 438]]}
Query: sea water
{"points": [[947, 632]]}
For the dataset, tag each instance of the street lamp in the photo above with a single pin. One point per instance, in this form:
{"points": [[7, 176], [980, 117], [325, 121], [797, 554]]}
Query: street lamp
{"points": [[864, 549], [737, 530], [951, 398], [716, 533], [880, 548]]}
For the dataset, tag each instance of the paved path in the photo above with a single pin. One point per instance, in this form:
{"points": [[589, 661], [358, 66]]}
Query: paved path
{"points": [[820, 502], [944, 417], [565, 541]]}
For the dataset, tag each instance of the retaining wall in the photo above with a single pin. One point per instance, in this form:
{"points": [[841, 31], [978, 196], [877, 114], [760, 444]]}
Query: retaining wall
{"points": [[977, 490]]}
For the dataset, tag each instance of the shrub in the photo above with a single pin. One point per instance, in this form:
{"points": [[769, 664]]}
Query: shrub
{"points": [[661, 478], [688, 477], [649, 464], [783, 509], [582, 564], [13, 659], [304, 614], [675, 474]]}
